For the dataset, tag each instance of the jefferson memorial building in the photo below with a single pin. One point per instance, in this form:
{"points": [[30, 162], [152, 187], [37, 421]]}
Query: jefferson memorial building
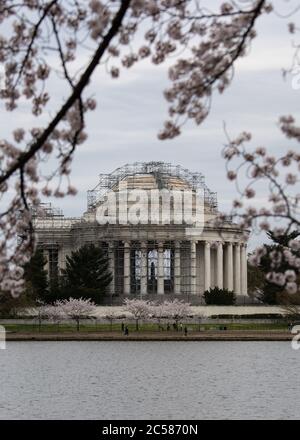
{"points": [[159, 226]]}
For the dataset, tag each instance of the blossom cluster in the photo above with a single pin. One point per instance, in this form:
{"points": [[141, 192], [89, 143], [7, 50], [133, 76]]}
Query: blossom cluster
{"points": [[71, 308], [140, 308], [255, 173]]}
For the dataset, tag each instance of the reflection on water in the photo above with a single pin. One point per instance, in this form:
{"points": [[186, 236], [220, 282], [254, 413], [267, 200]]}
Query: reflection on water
{"points": [[150, 380]]}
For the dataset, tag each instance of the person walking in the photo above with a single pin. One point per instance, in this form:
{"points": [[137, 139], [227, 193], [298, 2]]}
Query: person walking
{"points": [[185, 331], [122, 327], [126, 331]]}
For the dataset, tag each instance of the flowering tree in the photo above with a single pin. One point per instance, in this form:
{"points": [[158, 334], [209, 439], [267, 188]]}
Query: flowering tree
{"points": [[54, 313], [43, 39], [280, 214], [159, 311], [177, 310], [278, 262], [139, 308], [76, 309], [45, 312]]}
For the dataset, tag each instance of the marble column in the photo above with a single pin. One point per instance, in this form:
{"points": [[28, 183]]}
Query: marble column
{"points": [[237, 269], [111, 259], [219, 277], [61, 260], [126, 268], [177, 274], [207, 269], [229, 266], [47, 265], [144, 266], [160, 270], [244, 269], [193, 267]]}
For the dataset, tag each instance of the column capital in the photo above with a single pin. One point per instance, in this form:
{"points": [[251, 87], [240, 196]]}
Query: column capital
{"points": [[177, 244], [207, 244], [143, 244], [220, 244], [160, 245], [126, 244]]}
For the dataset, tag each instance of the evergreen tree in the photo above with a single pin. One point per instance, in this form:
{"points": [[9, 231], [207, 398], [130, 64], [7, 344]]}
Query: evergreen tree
{"points": [[36, 276], [87, 273]]}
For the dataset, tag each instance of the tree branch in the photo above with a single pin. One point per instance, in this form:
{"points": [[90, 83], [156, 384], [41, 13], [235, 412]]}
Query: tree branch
{"points": [[83, 81]]}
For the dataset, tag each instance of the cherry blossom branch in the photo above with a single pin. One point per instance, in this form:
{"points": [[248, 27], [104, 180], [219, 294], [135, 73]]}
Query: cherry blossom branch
{"points": [[34, 35], [83, 81], [282, 206]]}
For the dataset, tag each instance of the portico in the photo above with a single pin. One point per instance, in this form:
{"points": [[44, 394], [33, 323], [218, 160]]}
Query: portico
{"points": [[163, 267]]}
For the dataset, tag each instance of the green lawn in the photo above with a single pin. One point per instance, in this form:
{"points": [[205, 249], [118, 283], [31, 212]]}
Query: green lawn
{"points": [[151, 327]]}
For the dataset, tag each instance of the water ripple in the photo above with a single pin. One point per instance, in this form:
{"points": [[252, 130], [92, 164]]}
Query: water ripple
{"points": [[153, 380]]}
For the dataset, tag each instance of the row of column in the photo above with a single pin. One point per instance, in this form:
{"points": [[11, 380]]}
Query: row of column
{"points": [[235, 276], [235, 267]]}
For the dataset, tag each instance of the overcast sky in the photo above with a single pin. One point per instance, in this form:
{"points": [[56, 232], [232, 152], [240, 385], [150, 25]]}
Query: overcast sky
{"points": [[131, 111]]}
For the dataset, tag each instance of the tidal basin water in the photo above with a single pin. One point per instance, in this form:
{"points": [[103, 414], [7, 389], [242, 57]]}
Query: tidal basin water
{"points": [[149, 380]]}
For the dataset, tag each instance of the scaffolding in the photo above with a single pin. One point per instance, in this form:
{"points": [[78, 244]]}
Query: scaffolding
{"points": [[59, 236], [46, 210], [50, 225], [115, 251], [164, 174], [45, 216]]}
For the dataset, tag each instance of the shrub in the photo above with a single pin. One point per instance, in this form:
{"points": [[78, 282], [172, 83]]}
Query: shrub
{"points": [[219, 296]]}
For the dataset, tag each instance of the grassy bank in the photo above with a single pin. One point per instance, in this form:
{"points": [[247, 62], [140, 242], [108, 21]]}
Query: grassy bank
{"points": [[143, 328]]}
